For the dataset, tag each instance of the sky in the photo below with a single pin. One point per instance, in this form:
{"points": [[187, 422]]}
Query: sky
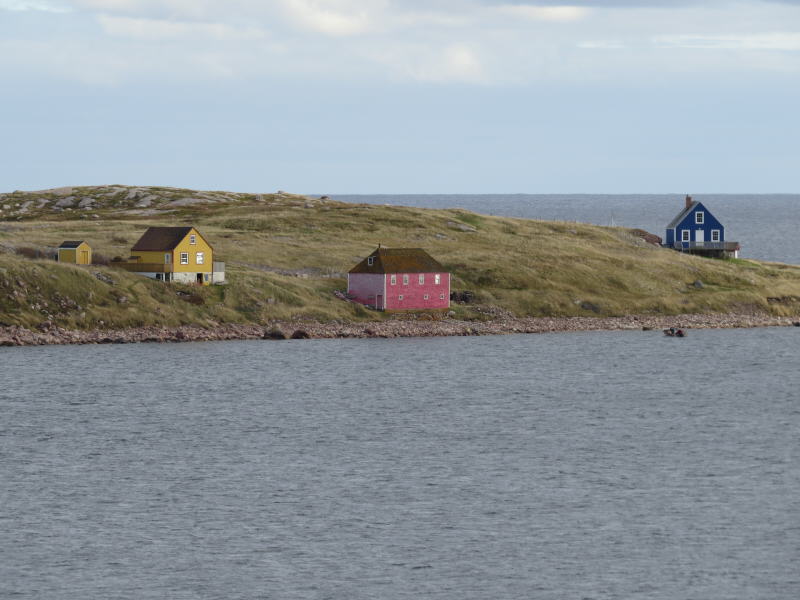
{"points": [[391, 96]]}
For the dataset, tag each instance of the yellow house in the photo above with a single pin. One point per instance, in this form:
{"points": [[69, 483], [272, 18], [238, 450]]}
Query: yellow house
{"points": [[175, 254], [76, 252]]}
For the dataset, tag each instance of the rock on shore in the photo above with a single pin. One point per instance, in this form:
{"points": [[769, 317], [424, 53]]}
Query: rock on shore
{"points": [[277, 330]]}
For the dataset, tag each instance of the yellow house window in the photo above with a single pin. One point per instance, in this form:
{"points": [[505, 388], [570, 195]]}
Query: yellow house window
{"points": [[192, 239], [199, 258], [184, 258], [167, 258]]}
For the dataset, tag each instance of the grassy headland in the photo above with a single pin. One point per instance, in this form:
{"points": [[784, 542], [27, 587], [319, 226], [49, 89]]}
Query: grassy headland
{"points": [[286, 254]]}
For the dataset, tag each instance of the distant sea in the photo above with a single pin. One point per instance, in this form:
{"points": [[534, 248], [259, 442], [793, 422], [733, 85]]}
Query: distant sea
{"points": [[764, 224]]}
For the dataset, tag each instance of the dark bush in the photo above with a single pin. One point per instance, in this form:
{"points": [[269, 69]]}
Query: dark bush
{"points": [[100, 259], [29, 252]]}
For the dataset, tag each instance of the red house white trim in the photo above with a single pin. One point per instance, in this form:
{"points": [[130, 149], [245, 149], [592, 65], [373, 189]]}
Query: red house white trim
{"points": [[400, 279]]}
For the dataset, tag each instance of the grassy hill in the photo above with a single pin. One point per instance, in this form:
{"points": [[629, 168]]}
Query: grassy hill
{"points": [[286, 254]]}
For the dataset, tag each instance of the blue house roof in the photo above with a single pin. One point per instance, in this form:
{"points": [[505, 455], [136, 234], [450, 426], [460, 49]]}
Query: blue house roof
{"points": [[682, 215]]}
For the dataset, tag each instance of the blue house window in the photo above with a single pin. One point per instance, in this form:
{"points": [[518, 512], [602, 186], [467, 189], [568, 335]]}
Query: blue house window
{"points": [[685, 233], [715, 235], [699, 217]]}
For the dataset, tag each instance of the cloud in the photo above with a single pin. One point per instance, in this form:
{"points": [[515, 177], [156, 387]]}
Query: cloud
{"points": [[454, 63], [330, 18], [762, 41], [544, 13], [33, 5], [159, 29]]}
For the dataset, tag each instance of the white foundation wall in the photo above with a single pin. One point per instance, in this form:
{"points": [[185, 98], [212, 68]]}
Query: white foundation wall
{"points": [[184, 277]]}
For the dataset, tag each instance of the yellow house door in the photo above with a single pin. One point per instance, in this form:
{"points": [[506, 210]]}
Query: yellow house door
{"points": [[84, 257]]}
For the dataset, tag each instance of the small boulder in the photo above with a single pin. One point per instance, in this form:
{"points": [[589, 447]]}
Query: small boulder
{"points": [[300, 334], [698, 284], [273, 334]]}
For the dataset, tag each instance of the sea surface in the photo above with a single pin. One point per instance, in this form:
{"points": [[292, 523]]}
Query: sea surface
{"points": [[764, 224], [593, 465]]}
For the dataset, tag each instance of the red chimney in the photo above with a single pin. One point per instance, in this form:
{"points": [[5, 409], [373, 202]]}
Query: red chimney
{"points": [[688, 201]]}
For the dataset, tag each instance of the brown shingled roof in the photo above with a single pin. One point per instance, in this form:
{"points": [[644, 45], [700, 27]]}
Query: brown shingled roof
{"points": [[399, 260], [161, 238]]}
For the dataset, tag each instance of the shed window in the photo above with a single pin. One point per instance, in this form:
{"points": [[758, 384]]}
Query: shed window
{"points": [[371, 261], [699, 217], [685, 235], [393, 280], [192, 239], [184, 258], [437, 279], [421, 278], [715, 235], [199, 258], [405, 279]]}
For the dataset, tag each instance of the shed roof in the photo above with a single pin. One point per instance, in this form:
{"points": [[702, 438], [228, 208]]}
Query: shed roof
{"points": [[399, 260], [682, 215], [71, 244], [161, 238]]}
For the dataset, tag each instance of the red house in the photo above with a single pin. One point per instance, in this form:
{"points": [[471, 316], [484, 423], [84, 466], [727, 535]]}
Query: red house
{"points": [[399, 279]]}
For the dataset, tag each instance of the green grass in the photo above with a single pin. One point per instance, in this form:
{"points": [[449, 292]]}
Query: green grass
{"points": [[525, 267]]}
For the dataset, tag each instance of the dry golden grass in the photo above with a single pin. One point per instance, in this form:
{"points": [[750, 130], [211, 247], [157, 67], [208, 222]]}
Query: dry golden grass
{"points": [[530, 268]]}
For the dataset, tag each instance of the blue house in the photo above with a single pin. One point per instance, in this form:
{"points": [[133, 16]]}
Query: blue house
{"points": [[697, 231]]}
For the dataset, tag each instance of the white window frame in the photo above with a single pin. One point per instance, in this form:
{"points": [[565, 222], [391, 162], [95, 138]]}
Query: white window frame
{"points": [[716, 235], [441, 296], [422, 278], [167, 258], [426, 297], [370, 261], [400, 297], [199, 258], [405, 279], [437, 279], [686, 235], [184, 258], [193, 239], [699, 218], [393, 280]]}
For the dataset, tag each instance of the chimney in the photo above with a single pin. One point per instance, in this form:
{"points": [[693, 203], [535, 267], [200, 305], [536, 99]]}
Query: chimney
{"points": [[688, 201]]}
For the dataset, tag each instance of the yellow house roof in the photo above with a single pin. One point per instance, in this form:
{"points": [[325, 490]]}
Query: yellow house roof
{"points": [[162, 238]]}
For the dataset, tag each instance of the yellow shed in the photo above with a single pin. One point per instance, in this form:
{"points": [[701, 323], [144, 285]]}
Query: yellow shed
{"points": [[76, 252]]}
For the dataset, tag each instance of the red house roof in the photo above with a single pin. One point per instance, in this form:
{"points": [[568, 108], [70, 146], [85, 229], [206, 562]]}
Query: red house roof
{"points": [[398, 260]]}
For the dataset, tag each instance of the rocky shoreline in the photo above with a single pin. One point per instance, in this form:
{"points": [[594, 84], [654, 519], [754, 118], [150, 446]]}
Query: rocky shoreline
{"points": [[20, 336]]}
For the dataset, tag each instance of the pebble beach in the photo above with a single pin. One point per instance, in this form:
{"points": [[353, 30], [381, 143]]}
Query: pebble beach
{"points": [[391, 328]]}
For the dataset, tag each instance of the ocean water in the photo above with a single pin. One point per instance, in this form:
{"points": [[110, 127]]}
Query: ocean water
{"points": [[585, 465], [764, 225]]}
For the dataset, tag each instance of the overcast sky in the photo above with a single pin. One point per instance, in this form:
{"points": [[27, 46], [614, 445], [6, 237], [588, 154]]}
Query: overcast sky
{"points": [[414, 96]]}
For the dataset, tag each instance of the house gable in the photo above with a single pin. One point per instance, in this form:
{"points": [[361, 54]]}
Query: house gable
{"points": [[687, 221]]}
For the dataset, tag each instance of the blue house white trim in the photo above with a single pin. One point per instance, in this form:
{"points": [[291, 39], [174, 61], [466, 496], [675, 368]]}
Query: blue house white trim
{"points": [[696, 229]]}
